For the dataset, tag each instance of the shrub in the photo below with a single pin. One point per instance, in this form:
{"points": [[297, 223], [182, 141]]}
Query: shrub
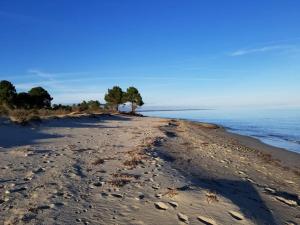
{"points": [[23, 116], [4, 111]]}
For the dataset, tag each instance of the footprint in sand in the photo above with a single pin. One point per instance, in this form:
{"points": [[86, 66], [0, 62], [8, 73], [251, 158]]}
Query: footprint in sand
{"points": [[174, 204], [161, 205], [291, 203], [236, 215], [183, 218], [206, 220]]}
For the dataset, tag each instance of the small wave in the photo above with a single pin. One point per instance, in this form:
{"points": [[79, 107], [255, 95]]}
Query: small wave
{"points": [[277, 136], [285, 138], [259, 136]]}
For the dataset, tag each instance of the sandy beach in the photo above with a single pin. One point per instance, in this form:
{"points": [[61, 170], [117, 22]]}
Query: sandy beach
{"points": [[120, 169]]}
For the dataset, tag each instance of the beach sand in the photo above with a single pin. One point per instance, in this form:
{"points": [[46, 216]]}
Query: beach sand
{"points": [[117, 169]]}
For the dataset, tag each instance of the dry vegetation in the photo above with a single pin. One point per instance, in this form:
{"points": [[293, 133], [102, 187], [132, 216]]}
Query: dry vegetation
{"points": [[24, 116], [136, 158], [172, 192], [121, 180], [211, 197], [100, 161]]}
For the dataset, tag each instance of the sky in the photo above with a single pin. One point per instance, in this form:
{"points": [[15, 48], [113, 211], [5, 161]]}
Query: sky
{"points": [[208, 53]]}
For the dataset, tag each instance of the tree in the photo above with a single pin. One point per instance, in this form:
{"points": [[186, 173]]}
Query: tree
{"points": [[62, 107], [7, 93], [133, 96], [40, 97], [83, 106], [93, 105], [114, 97], [23, 100]]}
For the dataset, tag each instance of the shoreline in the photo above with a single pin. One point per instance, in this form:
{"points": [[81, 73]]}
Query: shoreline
{"points": [[213, 158], [278, 151], [123, 169], [289, 157], [286, 157]]}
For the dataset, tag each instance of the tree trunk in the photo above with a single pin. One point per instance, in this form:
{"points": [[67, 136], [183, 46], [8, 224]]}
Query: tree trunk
{"points": [[132, 108]]}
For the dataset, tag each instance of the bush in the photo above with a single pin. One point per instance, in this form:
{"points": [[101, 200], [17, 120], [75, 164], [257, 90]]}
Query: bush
{"points": [[4, 111], [23, 116], [62, 107], [90, 106]]}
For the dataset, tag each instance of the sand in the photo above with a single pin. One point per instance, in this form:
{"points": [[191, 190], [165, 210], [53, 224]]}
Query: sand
{"points": [[116, 169]]}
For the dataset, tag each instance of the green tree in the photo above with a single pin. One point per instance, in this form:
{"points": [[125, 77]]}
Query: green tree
{"points": [[7, 93], [83, 106], [62, 107], [40, 97], [133, 96], [114, 97], [23, 100], [93, 105]]}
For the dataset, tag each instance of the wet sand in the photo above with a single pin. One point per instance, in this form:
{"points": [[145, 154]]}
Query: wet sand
{"points": [[139, 170]]}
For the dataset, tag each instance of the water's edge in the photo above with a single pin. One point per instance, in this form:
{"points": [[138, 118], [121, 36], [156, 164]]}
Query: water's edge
{"points": [[273, 131]]}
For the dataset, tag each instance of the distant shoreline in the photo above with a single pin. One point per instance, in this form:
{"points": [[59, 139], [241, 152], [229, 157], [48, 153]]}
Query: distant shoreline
{"points": [[261, 133], [170, 110]]}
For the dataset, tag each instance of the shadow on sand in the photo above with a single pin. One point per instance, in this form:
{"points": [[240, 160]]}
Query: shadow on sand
{"points": [[13, 135], [242, 193]]}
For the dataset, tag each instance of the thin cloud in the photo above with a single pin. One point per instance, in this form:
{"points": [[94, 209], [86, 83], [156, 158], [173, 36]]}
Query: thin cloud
{"points": [[41, 74], [248, 51], [56, 78], [49, 81], [70, 89]]}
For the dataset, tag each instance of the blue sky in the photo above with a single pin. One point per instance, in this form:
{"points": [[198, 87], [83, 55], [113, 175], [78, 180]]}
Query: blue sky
{"points": [[178, 53]]}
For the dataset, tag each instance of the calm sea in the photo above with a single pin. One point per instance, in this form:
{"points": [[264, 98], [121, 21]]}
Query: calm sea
{"points": [[277, 127]]}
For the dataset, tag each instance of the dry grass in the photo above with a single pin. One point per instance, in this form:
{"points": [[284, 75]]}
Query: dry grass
{"points": [[102, 160], [119, 182], [4, 111], [211, 197], [136, 158], [122, 179], [172, 192], [134, 161], [126, 175], [23, 116]]}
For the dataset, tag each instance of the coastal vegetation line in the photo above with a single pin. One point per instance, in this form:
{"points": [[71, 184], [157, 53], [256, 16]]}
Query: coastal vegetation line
{"points": [[36, 103]]}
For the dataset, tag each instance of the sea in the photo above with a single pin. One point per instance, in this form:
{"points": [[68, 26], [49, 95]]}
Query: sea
{"points": [[277, 126]]}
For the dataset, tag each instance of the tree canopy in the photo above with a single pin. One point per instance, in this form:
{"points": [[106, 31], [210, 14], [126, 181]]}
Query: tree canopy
{"points": [[7, 93], [90, 105], [114, 97], [23, 100], [133, 96], [40, 98]]}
